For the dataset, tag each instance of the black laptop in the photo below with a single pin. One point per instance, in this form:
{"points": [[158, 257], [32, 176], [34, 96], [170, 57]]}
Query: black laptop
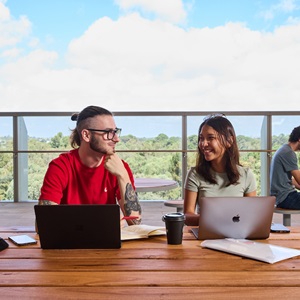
{"points": [[78, 226]]}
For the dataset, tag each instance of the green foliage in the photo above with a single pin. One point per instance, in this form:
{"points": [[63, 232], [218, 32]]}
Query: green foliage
{"points": [[151, 163], [59, 141], [245, 143], [192, 142], [279, 140]]}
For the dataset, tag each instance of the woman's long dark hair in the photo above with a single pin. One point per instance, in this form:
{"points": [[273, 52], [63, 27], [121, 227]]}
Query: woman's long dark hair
{"points": [[227, 138]]}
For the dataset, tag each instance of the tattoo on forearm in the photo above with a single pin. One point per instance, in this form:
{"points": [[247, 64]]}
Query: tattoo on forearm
{"points": [[47, 202], [132, 203]]}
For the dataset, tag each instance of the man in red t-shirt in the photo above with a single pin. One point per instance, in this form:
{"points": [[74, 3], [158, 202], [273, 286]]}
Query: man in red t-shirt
{"points": [[92, 173]]}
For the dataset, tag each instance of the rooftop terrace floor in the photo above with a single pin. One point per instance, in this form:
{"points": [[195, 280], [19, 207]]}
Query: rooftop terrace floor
{"points": [[22, 214]]}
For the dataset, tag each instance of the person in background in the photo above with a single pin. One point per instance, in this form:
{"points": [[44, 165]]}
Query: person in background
{"points": [[218, 171], [285, 174], [92, 173]]}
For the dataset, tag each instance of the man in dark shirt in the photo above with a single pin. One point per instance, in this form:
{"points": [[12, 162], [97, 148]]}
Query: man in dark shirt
{"points": [[285, 174]]}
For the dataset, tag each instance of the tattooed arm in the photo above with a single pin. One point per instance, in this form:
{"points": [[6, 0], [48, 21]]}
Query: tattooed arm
{"points": [[47, 202], [129, 202], [132, 204]]}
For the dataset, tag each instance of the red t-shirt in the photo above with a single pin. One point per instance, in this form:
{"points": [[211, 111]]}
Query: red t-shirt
{"points": [[68, 181]]}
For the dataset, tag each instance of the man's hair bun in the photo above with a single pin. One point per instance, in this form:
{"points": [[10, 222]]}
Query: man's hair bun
{"points": [[74, 117]]}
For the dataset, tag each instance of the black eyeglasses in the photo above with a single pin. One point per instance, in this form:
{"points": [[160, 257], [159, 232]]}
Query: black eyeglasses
{"points": [[110, 133]]}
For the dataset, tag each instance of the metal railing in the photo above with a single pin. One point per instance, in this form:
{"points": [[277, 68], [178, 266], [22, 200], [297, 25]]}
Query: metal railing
{"points": [[19, 130]]}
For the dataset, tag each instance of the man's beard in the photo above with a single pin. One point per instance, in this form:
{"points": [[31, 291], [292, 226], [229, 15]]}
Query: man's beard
{"points": [[94, 145]]}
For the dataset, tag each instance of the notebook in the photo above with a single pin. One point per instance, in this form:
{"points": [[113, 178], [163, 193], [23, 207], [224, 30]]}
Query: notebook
{"points": [[78, 226], [235, 217]]}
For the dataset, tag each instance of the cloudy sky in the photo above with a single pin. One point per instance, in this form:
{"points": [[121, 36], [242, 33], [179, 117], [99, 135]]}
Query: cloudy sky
{"points": [[157, 55]]}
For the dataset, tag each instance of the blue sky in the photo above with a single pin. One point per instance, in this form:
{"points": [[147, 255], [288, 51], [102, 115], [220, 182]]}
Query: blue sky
{"points": [[57, 22], [125, 55]]}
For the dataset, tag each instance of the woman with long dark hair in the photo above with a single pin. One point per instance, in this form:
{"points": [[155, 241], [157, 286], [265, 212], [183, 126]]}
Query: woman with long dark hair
{"points": [[218, 171]]}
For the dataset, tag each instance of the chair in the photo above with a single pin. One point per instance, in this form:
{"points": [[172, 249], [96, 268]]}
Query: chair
{"points": [[286, 214]]}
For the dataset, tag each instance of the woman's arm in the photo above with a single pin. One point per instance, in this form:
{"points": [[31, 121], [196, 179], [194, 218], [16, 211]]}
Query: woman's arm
{"points": [[251, 194], [250, 183], [189, 207]]}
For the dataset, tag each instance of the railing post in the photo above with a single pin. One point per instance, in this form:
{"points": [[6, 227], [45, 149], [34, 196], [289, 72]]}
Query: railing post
{"points": [[184, 152]]}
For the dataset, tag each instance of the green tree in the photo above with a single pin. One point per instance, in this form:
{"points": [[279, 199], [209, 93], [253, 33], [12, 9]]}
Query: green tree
{"points": [[59, 141]]}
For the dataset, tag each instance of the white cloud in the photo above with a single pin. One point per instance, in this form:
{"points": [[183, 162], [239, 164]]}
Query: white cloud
{"points": [[137, 64], [4, 12], [12, 31], [11, 53], [293, 21], [168, 10], [283, 6], [286, 5]]}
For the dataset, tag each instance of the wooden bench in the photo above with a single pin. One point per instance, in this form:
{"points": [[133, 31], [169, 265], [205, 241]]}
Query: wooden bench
{"points": [[175, 203], [286, 214]]}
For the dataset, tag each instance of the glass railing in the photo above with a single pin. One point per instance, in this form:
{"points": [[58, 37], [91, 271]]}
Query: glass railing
{"points": [[155, 144]]}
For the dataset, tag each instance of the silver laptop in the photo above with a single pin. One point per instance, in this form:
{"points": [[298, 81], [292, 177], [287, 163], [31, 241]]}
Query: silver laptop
{"points": [[78, 226], [235, 217]]}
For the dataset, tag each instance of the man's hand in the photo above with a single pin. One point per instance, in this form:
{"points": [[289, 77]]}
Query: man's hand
{"points": [[114, 165]]}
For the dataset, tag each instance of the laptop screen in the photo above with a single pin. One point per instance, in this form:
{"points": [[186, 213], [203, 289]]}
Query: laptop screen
{"points": [[235, 217], [78, 226]]}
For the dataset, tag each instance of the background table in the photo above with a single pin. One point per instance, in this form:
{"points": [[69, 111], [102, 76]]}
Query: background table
{"points": [[154, 184], [145, 269]]}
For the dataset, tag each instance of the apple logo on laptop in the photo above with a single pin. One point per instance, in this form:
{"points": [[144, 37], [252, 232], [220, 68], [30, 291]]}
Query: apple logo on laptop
{"points": [[236, 219]]}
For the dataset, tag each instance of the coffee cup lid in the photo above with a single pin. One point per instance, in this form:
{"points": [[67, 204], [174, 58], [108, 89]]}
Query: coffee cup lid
{"points": [[177, 216]]}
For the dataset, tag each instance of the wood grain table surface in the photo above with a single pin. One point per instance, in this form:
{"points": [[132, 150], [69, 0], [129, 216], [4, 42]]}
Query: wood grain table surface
{"points": [[145, 269]]}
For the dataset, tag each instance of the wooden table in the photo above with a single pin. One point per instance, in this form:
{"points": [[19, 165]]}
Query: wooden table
{"points": [[145, 269], [154, 184]]}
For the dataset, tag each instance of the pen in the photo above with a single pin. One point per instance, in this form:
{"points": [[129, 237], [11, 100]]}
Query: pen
{"points": [[130, 218]]}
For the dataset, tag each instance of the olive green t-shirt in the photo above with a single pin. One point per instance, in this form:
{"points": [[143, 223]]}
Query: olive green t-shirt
{"points": [[196, 183]]}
